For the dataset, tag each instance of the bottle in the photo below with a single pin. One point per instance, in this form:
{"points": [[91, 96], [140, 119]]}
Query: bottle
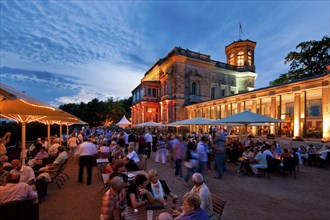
{"points": [[122, 210]]}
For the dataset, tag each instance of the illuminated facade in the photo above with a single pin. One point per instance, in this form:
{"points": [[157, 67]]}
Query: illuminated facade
{"points": [[185, 77], [185, 84]]}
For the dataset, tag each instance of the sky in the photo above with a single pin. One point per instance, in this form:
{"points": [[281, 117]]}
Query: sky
{"points": [[74, 51]]}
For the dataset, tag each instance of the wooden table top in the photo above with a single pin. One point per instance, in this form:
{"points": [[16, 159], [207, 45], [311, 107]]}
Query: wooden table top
{"points": [[141, 214]]}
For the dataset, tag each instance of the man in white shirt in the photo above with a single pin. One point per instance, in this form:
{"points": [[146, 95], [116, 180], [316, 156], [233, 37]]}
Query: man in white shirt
{"points": [[26, 173], [148, 139], [15, 190], [86, 152], [202, 154], [54, 148]]}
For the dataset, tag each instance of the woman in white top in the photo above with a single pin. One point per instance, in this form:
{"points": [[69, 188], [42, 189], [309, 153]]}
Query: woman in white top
{"points": [[73, 143]]}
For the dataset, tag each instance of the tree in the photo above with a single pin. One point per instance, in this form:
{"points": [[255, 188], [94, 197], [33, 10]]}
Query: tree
{"points": [[310, 60]]}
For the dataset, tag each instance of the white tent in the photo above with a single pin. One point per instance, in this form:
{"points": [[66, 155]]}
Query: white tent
{"points": [[124, 122]]}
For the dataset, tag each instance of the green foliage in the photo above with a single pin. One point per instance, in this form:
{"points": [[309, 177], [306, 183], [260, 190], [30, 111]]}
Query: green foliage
{"points": [[96, 112], [310, 60]]}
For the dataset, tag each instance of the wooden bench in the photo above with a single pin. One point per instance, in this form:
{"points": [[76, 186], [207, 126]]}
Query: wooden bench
{"points": [[218, 206]]}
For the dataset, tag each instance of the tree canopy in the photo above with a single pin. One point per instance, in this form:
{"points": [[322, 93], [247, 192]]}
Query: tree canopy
{"points": [[310, 59], [97, 112]]}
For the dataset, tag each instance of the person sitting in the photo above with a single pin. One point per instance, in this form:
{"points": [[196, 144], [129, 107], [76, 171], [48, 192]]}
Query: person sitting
{"points": [[201, 189], [118, 170], [113, 200], [26, 173], [15, 190], [53, 149], [164, 216], [118, 153], [6, 166], [3, 174], [323, 155], [284, 155], [138, 195], [191, 208], [158, 188], [62, 156], [132, 159], [104, 148], [38, 158], [261, 161], [245, 160]]}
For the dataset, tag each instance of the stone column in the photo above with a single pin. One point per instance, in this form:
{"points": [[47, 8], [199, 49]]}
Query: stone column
{"points": [[272, 113], [254, 110], [296, 116], [326, 110]]}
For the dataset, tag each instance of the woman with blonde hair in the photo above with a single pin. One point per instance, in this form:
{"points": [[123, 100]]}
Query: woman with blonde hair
{"points": [[158, 188]]}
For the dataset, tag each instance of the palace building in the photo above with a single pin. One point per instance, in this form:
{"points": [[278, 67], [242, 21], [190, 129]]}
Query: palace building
{"points": [[187, 84]]}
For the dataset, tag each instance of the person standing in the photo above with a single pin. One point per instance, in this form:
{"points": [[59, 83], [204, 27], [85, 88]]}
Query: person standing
{"points": [[148, 139], [202, 154], [3, 141], [178, 152], [86, 152], [219, 143]]}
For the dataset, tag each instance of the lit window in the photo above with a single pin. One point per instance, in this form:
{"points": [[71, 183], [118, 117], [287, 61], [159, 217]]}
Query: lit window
{"points": [[193, 88], [250, 58], [240, 59], [231, 59]]}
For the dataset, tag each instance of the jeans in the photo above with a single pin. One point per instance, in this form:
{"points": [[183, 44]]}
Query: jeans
{"points": [[201, 167], [178, 167], [220, 161]]}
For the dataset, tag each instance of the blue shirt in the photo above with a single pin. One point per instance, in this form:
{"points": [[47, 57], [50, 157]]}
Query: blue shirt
{"points": [[199, 214]]}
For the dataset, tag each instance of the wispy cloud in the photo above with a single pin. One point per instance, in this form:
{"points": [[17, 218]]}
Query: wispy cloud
{"points": [[74, 50]]}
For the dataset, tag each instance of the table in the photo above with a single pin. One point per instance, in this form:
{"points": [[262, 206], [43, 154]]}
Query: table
{"points": [[102, 160], [142, 211], [105, 176]]}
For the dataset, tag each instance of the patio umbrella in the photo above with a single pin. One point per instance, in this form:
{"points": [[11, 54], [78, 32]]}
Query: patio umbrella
{"points": [[22, 108], [192, 121], [150, 124], [246, 118]]}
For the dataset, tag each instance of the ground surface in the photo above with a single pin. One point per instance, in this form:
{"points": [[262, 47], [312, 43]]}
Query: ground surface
{"points": [[306, 197]]}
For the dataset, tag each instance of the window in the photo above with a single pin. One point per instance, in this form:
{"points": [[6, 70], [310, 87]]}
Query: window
{"points": [[165, 88], [154, 93], [222, 93], [314, 107], [250, 58], [231, 59], [149, 92], [193, 88], [240, 58], [212, 93]]}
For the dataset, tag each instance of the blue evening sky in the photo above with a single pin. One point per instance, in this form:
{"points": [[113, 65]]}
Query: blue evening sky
{"points": [[74, 51]]}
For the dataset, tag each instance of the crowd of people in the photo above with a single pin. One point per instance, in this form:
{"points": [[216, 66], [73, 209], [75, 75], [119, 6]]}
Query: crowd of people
{"points": [[191, 155]]}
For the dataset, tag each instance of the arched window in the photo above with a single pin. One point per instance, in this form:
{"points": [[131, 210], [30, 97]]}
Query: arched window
{"points": [[240, 58], [193, 88]]}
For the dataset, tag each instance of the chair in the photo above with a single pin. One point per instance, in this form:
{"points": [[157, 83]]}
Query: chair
{"points": [[289, 164], [143, 162], [218, 206], [55, 175], [20, 210]]}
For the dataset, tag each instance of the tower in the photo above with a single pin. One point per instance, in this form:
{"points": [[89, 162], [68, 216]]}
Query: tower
{"points": [[241, 55]]}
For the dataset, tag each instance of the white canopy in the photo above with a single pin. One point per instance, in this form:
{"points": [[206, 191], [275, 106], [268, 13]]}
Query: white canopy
{"points": [[20, 107], [150, 124], [192, 121], [124, 122]]}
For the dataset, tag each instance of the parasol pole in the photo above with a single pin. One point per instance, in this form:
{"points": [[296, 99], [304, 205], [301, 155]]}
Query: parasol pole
{"points": [[23, 152]]}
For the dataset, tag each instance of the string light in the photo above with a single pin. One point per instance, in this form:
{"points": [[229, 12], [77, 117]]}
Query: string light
{"points": [[38, 106]]}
